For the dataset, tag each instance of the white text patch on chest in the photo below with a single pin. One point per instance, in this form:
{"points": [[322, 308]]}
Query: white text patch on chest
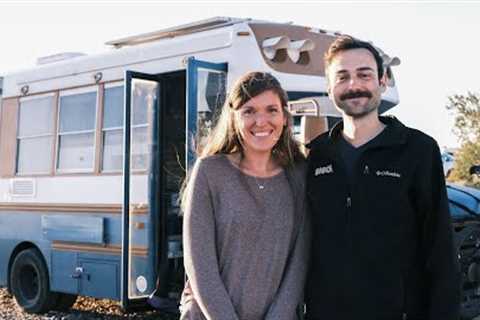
{"points": [[324, 170], [387, 173]]}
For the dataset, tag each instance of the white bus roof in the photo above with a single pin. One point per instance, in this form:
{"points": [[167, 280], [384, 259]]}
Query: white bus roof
{"points": [[242, 42], [197, 26]]}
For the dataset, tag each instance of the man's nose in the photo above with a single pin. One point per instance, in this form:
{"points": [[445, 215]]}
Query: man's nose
{"points": [[353, 82]]}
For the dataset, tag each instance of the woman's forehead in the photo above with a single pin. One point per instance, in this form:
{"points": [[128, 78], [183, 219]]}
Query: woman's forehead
{"points": [[265, 98]]}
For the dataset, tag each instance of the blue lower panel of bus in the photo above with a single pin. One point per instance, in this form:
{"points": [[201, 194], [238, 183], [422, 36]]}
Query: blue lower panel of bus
{"points": [[62, 271], [86, 274], [80, 229], [99, 279]]}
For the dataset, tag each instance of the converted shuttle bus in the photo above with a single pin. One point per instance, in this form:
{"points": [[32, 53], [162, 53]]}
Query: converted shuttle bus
{"points": [[94, 149]]}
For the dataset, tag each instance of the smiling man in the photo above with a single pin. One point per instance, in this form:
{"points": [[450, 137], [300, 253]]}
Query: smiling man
{"points": [[382, 240]]}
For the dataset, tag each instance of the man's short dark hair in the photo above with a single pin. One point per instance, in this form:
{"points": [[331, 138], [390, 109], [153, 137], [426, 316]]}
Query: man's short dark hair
{"points": [[344, 43]]}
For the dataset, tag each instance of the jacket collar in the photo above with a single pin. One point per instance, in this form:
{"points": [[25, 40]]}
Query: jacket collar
{"points": [[394, 133]]}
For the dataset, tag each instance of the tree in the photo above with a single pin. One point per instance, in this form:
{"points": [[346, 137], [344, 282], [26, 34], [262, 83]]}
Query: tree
{"points": [[466, 109], [467, 116], [466, 156]]}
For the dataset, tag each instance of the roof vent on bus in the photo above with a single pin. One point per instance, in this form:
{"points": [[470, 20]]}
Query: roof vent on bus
{"points": [[59, 57], [23, 187], [271, 45], [294, 48]]}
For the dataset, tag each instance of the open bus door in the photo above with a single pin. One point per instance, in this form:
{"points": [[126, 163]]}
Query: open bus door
{"points": [[146, 241], [206, 91], [141, 233]]}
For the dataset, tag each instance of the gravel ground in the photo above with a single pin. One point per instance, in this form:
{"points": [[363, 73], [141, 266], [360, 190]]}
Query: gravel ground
{"points": [[83, 309]]}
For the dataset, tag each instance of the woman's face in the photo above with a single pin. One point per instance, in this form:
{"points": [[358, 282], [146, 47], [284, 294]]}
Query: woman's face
{"points": [[260, 122]]}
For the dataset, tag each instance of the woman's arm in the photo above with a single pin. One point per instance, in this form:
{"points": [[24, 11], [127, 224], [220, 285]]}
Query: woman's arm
{"points": [[290, 293], [200, 254]]}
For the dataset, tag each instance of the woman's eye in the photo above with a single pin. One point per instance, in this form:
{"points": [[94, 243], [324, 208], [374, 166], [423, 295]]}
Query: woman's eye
{"points": [[273, 110]]}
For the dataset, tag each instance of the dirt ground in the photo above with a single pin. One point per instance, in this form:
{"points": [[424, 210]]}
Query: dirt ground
{"points": [[83, 309]]}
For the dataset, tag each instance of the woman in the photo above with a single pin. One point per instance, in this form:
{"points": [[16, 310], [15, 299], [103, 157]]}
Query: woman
{"points": [[244, 217]]}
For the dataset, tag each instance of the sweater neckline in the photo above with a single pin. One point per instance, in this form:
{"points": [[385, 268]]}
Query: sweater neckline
{"points": [[235, 167]]}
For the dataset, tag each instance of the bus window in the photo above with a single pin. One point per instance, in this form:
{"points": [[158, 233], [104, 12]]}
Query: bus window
{"points": [[76, 130], [210, 99], [35, 135], [112, 128], [142, 96]]}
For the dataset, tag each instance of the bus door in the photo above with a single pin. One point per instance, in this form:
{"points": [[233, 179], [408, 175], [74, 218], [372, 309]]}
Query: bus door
{"points": [[141, 212], [206, 91]]}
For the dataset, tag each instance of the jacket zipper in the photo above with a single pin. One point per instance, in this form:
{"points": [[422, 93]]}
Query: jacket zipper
{"points": [[404, 302], [348, 205]]}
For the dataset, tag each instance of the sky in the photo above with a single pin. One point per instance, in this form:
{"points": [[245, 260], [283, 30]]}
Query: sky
{"points": [[437, 42]]}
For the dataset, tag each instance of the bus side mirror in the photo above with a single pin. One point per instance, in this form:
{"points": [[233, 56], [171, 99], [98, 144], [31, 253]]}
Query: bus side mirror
{"points": [[475, 170]]}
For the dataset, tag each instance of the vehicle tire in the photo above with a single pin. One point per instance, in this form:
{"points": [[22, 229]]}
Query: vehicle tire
{"points": [[65, 301], [467, 242], [30, 282]]}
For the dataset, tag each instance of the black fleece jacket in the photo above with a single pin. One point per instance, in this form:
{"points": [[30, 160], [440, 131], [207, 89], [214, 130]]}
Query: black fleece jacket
{"points": [[382, 248]]}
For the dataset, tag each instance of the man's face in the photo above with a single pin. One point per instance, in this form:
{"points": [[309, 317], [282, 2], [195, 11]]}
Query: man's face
{"points": [[353, 83]]}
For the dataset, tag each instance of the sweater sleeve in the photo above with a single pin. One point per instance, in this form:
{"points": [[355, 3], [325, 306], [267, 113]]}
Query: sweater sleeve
{"points": [[200, 254], [441, 262], [290, 294]]}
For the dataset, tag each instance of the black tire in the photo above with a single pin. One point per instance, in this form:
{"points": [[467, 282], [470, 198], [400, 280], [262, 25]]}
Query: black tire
{"points": [[467, 242], [65, 301], [30, 283]]}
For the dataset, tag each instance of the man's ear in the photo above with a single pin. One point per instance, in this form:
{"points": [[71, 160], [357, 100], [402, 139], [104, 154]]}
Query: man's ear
{"points": [[327, 83], [329, 88]]}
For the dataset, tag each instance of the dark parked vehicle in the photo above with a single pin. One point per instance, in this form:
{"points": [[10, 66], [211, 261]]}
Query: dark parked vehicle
{"points": [[465, 211]]}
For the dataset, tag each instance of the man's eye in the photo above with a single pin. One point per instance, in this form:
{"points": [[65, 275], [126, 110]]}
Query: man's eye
{"points": [[365, 75]]}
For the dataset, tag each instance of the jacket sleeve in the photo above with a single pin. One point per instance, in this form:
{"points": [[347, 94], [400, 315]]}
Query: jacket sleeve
{"points": [[200, 254], [290, 294], [442, 266]]}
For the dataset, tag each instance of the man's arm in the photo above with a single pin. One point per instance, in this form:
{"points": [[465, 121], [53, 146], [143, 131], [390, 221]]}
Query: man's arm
{"points": [[441, 260]]}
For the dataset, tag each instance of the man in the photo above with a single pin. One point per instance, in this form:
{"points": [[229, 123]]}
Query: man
{"points": [[382, 240]]}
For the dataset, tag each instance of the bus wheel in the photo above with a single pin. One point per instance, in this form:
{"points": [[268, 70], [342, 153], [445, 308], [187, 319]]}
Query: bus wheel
{"points": [[30, 284], [65, 301]]}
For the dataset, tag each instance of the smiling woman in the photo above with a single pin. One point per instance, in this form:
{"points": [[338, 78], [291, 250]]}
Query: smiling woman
{"points": [[245, 243], [260, 123]]}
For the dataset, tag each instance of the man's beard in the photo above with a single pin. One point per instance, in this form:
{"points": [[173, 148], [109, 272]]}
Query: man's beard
{"points": [[357, 111]]}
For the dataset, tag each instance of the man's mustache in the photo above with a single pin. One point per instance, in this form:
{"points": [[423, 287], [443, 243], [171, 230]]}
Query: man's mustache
{"points": [[355, 94]]}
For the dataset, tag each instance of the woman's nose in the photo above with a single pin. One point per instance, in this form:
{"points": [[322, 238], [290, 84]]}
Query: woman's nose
{"points": [[261, 118]]}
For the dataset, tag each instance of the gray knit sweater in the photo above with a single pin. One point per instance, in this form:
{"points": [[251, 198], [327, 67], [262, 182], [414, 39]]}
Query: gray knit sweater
{"points": [[245, 248]]}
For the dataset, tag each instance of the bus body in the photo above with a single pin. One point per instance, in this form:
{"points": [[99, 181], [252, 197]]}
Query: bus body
{"points": [[94, 149]]}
